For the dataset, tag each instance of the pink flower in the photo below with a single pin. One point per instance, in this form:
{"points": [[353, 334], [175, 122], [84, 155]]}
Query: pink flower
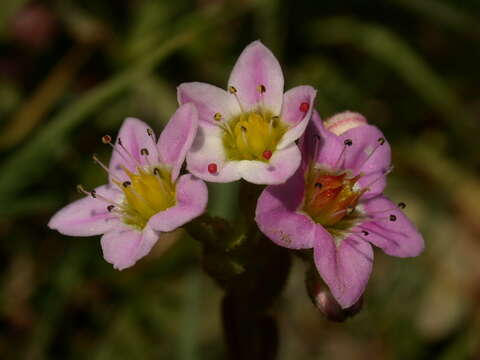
{"points": [[334, 204], [145, 196], [250, 130]]}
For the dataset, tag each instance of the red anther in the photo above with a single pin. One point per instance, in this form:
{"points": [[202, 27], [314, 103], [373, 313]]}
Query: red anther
{"points": [[304, 107], [212, 168], [267, 154]]}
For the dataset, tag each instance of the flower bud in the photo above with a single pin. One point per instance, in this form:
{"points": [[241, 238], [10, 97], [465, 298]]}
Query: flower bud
{"points": [[344, 121], [324, 301]]}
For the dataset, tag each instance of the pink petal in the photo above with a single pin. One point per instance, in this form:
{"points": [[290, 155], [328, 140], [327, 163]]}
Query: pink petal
{"points": [[134, 137], [191, 197], [177, 137], [280, 168], [123, 246], [345, 268], [258, 66], [292, 112], [368, 156], [277, 217], [397, 238], [87, 216], [321, 144], [208, 100], [208, 149]]}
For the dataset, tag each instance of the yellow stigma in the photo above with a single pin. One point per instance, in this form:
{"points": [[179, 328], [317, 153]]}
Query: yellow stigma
{"points": [[148, 192], [253, 136]]}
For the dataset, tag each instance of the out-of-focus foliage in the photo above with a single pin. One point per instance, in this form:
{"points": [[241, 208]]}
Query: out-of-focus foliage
{"points": [[72, 70]]}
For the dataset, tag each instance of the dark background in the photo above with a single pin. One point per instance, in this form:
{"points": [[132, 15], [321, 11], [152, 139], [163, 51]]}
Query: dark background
{"points": [[71, 71]]}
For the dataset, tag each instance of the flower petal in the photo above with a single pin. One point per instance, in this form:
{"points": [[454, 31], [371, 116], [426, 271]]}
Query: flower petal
{"points": [[134, 137], [87, 216], [123, 246], [177, 137], [257, 66], [397, 238], [208, 100], [345, 268], [279, 169], [293, 113], [369, 154], [208, 149], [277, 217], [321, 144], [191, 196]]}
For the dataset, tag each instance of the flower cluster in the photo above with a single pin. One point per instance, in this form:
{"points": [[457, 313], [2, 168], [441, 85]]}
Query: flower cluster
{"points": [[323, 194]]}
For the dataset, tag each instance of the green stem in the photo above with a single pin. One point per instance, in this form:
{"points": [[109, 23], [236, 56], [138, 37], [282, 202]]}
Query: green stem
{"points": [[252, 271]]}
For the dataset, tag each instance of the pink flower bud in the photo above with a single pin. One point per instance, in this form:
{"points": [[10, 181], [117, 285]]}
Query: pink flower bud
{"points": [[344, 121], [324, 301]]}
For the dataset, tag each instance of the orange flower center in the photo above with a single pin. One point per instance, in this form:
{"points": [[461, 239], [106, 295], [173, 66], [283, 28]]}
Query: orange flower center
{"points": [[331, 197]]}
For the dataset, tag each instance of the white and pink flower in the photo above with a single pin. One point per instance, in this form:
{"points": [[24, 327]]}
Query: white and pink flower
{"points": [[335, 206], [250, 130], [145, 196]]}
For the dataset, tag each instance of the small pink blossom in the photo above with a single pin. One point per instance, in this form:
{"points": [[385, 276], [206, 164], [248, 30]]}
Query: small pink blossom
{"points": [[145, 196], [250, 130], [334, 204]]}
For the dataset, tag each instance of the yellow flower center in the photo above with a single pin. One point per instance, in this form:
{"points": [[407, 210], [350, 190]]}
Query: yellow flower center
{"points": [[331, 199], [148, 192], [252, 136]]}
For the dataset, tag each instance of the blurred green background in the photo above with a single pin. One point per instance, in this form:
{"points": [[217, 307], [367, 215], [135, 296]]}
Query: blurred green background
{"points": [[72, 70]]}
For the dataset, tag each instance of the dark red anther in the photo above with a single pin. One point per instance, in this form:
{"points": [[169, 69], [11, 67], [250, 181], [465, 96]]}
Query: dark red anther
{"points": [[267, 154], [212, 168], [304, 107]]}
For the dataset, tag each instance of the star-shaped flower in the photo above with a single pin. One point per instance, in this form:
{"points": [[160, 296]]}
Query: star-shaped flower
{"points": [[334, 204], [250, 130], [145, 196]]}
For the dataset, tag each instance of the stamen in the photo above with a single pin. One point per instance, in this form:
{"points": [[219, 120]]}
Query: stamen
{"points": [[233, 90], [402, 205], [217, 116], [145, 153], [318, 185], [304, 107], [267, 154], [261, 88], [110, 208], [151, 135], [380, 142], [391, 217], [120, 143], [212, 168], [126, 184], [103, 166], [358, 232], [156, 171], [226, 126], [107, 139], [95, 195], [341, 157], [244, 135]]}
